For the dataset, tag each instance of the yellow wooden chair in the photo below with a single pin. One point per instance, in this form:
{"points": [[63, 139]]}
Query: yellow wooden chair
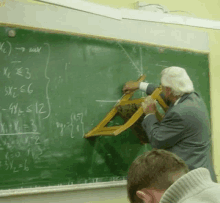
{"points": [[102, 130]]}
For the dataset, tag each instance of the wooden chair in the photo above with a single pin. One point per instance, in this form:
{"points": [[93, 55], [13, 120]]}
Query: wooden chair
{"points": [[102, 130]]}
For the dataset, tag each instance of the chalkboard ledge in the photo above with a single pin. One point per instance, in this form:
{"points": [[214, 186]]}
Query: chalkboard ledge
{"points": [[66, 188]]}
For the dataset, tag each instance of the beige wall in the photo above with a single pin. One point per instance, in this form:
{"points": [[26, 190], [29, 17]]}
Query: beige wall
{"points": [[200, 8]]}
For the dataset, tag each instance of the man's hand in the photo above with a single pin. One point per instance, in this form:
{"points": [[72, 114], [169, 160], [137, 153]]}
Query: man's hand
{"points": [[130, 86], [149, 105]]}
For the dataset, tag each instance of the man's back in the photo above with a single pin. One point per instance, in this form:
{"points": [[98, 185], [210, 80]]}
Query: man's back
{"points": [[195, 140], [185, 131]]}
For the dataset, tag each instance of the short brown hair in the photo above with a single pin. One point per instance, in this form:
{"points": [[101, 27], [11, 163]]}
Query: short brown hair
{"points": [[153, 169]]}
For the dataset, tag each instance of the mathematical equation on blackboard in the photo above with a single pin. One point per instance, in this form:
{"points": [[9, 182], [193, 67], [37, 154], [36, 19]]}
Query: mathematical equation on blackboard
{"points": [[21, 114], [18, 93]]}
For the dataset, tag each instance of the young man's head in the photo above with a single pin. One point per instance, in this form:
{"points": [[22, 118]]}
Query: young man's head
{"points": [[152, 173]]}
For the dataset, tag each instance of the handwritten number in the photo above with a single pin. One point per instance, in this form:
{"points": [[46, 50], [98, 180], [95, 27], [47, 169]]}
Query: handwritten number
{"points": [[33, 125], [6, 91], [28, 74], [37, 139], [29, 90], [13, 108], [25, 165], [22, 89], [41, 107]]}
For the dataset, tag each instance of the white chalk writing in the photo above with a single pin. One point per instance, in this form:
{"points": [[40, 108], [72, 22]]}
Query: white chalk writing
{"points": [[35, 49], [74, 127]]}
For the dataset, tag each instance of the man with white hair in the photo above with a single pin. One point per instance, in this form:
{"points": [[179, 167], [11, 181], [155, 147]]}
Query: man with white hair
{"points": [[185, 128]]}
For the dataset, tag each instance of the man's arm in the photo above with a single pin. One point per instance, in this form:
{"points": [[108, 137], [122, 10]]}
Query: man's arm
{"points": [[166, 133], [130, 86], [134, 85]]}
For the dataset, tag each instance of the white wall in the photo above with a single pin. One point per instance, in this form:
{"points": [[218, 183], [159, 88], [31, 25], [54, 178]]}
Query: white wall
{"points": [[65, 19]]}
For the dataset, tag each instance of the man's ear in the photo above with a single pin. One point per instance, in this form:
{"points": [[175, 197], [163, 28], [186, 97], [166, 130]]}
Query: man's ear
{"points": [[146, 197]]}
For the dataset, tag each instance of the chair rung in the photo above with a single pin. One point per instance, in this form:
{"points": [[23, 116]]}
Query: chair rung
{"points": [[134, 101], [115, 130], [107, 130]]}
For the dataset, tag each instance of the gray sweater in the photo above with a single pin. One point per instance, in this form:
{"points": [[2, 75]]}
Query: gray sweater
{"points": [[194, 187]]}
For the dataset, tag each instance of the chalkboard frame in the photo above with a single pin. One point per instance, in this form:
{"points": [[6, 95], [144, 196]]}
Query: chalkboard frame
{"points": [[74, 187]]}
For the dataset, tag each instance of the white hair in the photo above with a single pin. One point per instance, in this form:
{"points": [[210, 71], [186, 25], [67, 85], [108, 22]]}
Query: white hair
{"points": [[177, 79]]}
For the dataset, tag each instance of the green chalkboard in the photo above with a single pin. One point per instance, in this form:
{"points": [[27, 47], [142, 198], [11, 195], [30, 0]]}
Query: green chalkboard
{"points": [[54, 88]]}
